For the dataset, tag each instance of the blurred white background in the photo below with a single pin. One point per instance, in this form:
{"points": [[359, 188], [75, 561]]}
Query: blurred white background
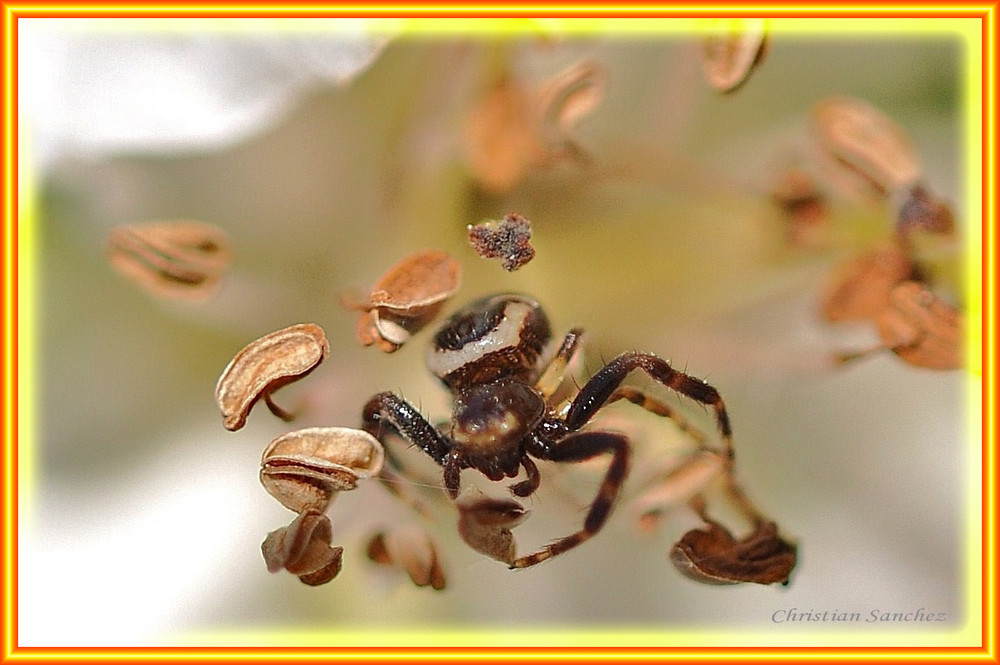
{"points": [[327, 154]]}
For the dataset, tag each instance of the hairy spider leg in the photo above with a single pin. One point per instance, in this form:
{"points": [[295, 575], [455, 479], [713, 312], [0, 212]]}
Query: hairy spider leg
{"points": [[387, 413], [601, 386], [577, 447], [550, 380], [390, 409], [657, 406]]}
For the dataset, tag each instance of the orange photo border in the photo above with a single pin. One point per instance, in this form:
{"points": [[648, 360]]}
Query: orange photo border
{"points": [[16, 211]]}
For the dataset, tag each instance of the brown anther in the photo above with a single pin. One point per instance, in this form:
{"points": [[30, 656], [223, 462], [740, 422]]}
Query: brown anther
{"points": [[508, 239], [804, 209], [411, 549], [418, 281], [713, 556], [180, 260], [564, 100], [919, 210], [920, 328], [263, 366], [860, 287], [862, 139], [305, 469], [501, 137], [484, 523], [732, 50], [303, 549], [515, 129], [406, 298]]}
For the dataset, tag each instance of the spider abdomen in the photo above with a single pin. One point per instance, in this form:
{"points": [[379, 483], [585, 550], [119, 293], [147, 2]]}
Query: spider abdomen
{"points": [[492, 338]]}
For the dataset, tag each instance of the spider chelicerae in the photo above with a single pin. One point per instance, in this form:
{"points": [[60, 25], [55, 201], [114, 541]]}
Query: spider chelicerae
{"points": [[492, 356]]}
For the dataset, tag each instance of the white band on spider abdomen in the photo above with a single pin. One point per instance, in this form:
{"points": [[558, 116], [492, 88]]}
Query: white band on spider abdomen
{"points": [[506, 334]]}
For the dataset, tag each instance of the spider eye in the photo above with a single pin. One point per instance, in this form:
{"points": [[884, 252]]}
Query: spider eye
{"points": [[491, 338]]}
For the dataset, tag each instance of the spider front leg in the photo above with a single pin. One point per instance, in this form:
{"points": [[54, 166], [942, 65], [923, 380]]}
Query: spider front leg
{"points": [[550, 380], [603, 385], [528, 486], [388, 413], [577, 447]]}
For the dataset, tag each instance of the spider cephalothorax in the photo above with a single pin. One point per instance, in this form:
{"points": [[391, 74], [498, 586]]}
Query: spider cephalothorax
{"points": [[494, 357]]}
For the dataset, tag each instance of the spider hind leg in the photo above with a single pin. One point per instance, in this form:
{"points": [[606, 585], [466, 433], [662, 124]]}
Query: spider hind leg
{"points": [[577, 447], [660, 408]]}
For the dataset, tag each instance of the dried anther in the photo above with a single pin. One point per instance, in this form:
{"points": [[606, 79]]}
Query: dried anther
{"points": [[566, 98], [182, 260], [861, 138], [804, 209], [508, 239], [418, 281], [305, 469], [861, 286], [515, 128], [713, 556], [500, 137], [920, 328], [919, 210], [265, 365], [412, 549], [406, 298], [732, 50], [484, 523], [303, 548]]}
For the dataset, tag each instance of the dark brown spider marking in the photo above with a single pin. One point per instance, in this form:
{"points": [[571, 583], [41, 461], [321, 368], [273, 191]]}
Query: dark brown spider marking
{"points": [[489, 339]]}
